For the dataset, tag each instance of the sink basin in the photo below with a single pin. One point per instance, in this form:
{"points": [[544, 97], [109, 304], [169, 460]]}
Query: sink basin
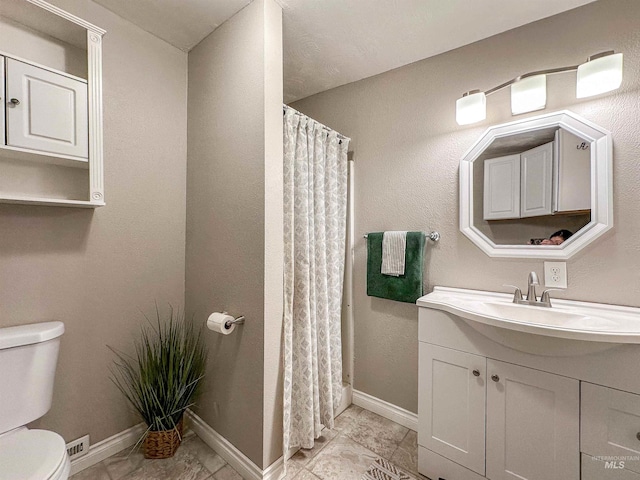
{"points": [[566, 319]]}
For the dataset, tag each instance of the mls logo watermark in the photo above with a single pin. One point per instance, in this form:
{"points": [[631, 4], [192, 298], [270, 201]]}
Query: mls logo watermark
{"points": [[616, 462]]}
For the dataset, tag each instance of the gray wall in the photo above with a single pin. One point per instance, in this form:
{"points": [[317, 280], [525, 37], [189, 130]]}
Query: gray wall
{"points": [[407, 149], [230, 145], [97, 271]]}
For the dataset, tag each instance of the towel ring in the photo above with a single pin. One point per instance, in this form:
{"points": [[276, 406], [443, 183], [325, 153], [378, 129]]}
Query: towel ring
{"points": [[433, 236]]}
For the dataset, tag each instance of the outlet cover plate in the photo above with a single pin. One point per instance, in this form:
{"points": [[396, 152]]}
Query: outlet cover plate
{"points": [[555, 274]]}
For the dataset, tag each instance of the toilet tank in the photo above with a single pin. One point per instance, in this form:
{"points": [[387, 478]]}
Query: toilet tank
{"points": [[28, 356]]}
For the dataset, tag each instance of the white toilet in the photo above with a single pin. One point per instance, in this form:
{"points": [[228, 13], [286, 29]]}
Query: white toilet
{"points": [[28, 356]]}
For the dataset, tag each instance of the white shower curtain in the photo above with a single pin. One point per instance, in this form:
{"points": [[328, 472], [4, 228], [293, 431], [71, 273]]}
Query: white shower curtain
{"points": [[315, 212]]}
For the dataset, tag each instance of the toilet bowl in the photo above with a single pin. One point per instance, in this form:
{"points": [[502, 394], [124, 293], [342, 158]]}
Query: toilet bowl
{"points": [[28, 356]]}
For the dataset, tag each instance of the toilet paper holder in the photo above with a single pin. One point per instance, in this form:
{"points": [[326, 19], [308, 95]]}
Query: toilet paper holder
{"points": [[236, 321]]}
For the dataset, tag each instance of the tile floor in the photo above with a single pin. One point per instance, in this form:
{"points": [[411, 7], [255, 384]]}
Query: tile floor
{"points": [[343, 453]]}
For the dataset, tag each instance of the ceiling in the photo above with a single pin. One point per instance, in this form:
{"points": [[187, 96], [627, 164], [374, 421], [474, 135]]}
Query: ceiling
{"points": [[328, 43]]}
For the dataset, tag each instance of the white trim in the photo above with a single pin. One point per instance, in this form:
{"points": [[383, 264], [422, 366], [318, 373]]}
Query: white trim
{"points": [[67, 16], [275, 471], [223, 447], [346, 400], [387, 410], [107, 447]]}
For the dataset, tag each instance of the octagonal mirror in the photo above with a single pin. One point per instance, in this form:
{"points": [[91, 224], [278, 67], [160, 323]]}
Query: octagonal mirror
{"points": [[540, 187]]}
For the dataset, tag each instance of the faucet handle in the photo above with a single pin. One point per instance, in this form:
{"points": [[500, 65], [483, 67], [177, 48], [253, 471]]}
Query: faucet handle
{"points": [[517, 294], [546, 298]]}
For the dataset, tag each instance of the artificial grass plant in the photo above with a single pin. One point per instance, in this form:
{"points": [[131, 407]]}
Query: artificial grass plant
{"points": [[162, 378]]}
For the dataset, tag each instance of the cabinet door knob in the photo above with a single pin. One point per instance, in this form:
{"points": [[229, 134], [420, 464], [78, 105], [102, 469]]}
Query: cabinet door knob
{"points": [[638, 435], [476, 373], [495, 378], [15, 101]]}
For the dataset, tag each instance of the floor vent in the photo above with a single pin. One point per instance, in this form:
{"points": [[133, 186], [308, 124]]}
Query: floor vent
{"points": [[78, 447]]}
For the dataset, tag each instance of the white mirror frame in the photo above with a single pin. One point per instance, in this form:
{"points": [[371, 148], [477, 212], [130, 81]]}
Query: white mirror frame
{"points": [[601, 186]]}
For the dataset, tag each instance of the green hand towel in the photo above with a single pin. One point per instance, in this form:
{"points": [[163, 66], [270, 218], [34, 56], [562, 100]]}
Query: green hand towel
{"points": [[405, 288]]}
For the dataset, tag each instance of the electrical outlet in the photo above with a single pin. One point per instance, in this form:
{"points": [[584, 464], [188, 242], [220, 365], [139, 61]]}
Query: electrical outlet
{"points": [[78, 448], [555, 274]]}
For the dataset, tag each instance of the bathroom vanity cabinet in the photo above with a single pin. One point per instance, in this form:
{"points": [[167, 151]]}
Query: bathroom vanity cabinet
{"points": [[51, 113], [507, 405]]}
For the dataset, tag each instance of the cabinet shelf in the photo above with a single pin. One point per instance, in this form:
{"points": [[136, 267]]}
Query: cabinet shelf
{"points": [[24, 154], [53, 202]]}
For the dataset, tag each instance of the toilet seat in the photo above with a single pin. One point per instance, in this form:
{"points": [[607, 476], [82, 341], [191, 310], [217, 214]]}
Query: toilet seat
{"points": [[33, 455]]}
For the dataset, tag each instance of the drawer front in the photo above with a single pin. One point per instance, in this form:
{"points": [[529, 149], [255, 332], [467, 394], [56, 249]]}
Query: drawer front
{"points": [[610, 425], [595, 469]]}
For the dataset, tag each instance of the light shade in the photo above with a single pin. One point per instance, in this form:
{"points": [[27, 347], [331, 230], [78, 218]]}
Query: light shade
{"points": [[529, 94], [471, 108], [599, 75]]}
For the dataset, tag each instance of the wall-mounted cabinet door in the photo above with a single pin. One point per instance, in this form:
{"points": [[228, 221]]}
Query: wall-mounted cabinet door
{"points": [[536, 190], [502, 188], [451, 405], [46, 111], [532, 424]]}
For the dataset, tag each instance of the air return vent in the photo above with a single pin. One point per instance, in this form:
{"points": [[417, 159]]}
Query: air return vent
{"points": [[78, 448]]}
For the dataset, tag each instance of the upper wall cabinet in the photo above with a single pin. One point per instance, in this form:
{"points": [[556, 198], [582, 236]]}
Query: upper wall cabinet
{"points": [[525, 180], [51, 113], [552, 178]]}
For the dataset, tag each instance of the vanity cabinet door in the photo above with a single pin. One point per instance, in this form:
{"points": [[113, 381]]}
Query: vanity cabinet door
{"points": [[537, 174], [502, 188], [611, 425], [451, 405], [46, 111], [532, 424]]}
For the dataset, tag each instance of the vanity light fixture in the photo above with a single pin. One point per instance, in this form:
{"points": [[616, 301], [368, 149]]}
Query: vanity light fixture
{"points": [[471, 108], [599, 74], [529, 93]]}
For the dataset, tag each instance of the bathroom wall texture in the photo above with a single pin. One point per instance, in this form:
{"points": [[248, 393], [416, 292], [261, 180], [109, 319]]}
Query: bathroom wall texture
{"points": [[235, 98], [407, 149], [100, 271]]}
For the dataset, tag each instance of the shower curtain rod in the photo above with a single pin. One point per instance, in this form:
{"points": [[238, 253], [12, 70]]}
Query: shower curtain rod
{"points": [[324, 127]]}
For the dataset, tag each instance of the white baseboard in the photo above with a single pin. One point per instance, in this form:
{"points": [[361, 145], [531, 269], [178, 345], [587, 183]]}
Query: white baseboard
{"points": [[234, 457], [223, 447], [107, 447], [346, 400], [275, 471], [385, 409]]}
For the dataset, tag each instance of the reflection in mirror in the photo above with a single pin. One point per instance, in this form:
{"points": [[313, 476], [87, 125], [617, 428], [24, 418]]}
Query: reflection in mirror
{"points": [[529, 186], [523, 182]]}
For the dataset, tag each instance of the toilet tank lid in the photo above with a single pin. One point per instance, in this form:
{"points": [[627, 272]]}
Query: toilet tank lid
{"points": [[29, 334]]}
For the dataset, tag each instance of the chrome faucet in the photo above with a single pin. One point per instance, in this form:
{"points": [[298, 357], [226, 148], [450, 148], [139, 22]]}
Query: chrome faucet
{"points": [[531, 298], [532, 281]]}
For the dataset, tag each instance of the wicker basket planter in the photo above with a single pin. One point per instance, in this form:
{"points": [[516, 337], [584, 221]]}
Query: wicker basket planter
{"points": [[163, 444]]}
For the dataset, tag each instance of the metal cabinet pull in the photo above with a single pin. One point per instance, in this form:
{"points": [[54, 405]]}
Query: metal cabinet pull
{"points": [[476, 373], [15, 101], [638, 435], [495, 378]]}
